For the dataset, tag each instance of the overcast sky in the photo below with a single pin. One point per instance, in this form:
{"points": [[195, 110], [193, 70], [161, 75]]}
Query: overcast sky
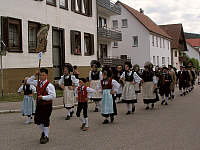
{"points": [[186, 12]]}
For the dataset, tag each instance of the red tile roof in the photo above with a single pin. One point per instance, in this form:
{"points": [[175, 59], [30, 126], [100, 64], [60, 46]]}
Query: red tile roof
{"points": [[146, 21], [194, 42]]}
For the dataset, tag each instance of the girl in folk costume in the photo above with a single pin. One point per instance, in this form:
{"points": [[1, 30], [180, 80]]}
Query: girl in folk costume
{"points": [[28, 108], [149, 90], [68, 83], [129, 78], [137, 85], [94, 77], [83, 93], [164, 85], [45, 95], [108, 87]]}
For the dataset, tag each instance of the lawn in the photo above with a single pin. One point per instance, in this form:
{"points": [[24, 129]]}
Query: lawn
{"points": [[19, 97]]}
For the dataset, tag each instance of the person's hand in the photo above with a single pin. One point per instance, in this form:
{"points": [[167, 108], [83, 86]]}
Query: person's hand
{"points": [[70, 87], [112, 92], [134, 83], [40, 97], [62, 87], [37, 73]]}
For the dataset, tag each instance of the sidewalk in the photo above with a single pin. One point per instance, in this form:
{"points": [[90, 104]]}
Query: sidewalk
{"points": [[15, 107]]}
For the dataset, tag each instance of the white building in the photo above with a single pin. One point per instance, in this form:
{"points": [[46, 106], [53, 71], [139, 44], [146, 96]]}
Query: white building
{"points": [[142, 39], [72, 36], [193, 52]]}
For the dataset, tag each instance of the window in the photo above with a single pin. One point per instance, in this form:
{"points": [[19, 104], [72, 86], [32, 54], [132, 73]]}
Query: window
{"points": [[124, 23], [156, 41], [154, 60], [152, 40], [175, 53], [115, 24], [102, 22], [163, 61], [64, 4], [88, 44], [135, 41], [168, 44], [12, 34], [51, 2], [83, 7], [75, 42], [115, 44], [163, 43], [160, 42], [33, 29], [158, 62]]}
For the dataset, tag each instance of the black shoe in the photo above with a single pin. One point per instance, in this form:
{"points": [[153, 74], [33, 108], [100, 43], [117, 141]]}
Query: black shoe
{"points": [[173, 96], [96, 110], [162, 102], [105, 121], [128, 113], [152, 105], [184, 93], [44, 140], [181, 94], [133, 109], [170, 97], [42, 137], [67, 118], [71, 113], [166, 103], [147, 108], [111, 119]]}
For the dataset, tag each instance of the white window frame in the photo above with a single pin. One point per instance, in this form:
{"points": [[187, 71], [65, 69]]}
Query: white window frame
{"points": [[117, 24], [135, 44], [125, 26]]}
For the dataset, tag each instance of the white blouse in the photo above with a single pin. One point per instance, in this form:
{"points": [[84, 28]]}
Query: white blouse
{"points": [[73, 78], [135, 76], [100, 76]]}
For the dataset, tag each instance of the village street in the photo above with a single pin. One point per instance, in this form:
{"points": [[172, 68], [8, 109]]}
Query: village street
{"points": [[172, 127]]}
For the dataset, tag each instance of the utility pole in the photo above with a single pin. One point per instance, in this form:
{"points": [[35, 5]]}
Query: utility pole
{"points": [[2, 53]]}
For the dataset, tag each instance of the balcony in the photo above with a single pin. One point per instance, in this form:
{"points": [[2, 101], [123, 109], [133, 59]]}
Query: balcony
{"points": [[109, 34], [114, 61], [109, 7]]}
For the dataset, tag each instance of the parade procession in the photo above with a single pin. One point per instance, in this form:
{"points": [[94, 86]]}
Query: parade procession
{"points": [[99, 75]]}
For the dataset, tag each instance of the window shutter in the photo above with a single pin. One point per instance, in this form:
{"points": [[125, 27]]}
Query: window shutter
{"points": [[4, 30], [89, 8], [20, 34], [92, 43], [72, 37], [73, 5]]}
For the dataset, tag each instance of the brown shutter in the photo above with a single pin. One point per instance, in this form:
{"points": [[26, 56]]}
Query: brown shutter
{"points": [[20, 34], [73, 5], [92, 43], [4, 30], [89, 8], [72, 38]]}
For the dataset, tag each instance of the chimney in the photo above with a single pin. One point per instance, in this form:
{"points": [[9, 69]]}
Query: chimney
{"points": [[141, 11]]}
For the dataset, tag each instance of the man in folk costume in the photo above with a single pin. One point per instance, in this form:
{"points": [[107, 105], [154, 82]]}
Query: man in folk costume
{"points": [[173, 83], [45, 95], [188, 80], [193, 78], [136, 68], [28, 108], [116, 76], [68, 83], [182, 80], [149, 87], [95, 75], [109, 88], [129, 78], [83, 94], [164, 85]]}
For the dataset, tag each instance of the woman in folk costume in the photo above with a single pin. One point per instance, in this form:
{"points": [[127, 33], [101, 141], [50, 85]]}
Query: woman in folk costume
{"points": [[109, 88], [28, 108], [149, 90], [129, 78], [68, 83], [94, 77], [136, 68]]}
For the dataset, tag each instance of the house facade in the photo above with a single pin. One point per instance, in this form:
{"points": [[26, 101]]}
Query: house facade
{"points": [[192, 52], [72, 37], [142, 39]]}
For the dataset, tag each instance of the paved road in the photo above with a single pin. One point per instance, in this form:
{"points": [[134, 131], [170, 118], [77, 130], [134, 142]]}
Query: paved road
{"points": [[172, 127]]}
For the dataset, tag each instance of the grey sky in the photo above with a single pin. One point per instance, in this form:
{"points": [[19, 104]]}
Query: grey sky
{"points": [[186, 12]]}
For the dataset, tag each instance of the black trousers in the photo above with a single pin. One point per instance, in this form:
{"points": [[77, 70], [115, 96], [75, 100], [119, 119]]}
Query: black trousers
{"points": [[82, 106]]}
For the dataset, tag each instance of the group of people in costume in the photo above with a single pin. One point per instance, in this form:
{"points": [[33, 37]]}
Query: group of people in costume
{"points": [[105, 86]]}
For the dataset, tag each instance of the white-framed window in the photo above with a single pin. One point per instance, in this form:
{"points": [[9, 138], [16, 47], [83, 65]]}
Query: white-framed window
{"points": [[115, 44], [115, 24], [153, 40], [135, 41], [154, 60], [163, 61], [124, 23], [158, 62], [175, 54], [160, 42], [163, 43], [156, 41]]}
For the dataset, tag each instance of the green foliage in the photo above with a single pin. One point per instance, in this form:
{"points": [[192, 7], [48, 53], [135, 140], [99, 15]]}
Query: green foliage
{"points": [[194, 62]]}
